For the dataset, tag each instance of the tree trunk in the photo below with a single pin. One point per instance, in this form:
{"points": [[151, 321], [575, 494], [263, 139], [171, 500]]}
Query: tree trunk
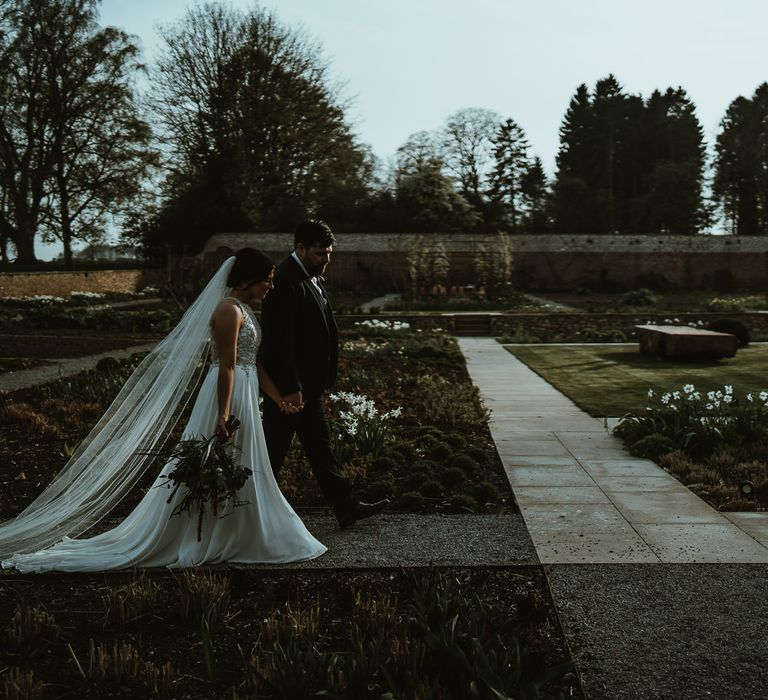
{"points": [[25, 248]]}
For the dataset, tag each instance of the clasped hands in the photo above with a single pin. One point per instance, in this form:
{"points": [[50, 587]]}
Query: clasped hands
{"points": [[291, 403]]}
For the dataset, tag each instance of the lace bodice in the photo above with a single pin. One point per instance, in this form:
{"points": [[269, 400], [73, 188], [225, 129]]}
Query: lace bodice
{"points": [[247, 341]]}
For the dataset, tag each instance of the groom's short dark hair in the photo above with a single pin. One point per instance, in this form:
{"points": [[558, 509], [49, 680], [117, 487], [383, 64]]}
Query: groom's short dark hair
{"points": [[313, 232]]}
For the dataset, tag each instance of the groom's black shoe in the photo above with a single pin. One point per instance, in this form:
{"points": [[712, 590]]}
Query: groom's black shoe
{"points": [[359, 511]]}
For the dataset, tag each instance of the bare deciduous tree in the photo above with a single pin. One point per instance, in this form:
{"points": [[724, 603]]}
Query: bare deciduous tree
{"points": [[73, 146], [467, 143]]}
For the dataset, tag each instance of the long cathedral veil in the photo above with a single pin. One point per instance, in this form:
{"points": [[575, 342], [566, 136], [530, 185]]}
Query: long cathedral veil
{"points": [[110, 461]]}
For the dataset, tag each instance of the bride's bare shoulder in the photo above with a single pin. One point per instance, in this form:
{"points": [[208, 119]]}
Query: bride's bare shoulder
{"points": [[228, 311]]}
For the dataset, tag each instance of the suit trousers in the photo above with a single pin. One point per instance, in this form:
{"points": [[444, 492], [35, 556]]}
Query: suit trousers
{"points": [[311, 425]]}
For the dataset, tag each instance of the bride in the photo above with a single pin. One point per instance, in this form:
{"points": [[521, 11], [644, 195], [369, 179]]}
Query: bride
{"points": [[109, 462]]}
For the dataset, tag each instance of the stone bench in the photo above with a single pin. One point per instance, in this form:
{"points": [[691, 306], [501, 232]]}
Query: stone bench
{"points": [[685, 343]]}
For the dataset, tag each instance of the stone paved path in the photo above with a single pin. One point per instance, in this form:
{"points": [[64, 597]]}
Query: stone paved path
{"points": [[583, 498]]}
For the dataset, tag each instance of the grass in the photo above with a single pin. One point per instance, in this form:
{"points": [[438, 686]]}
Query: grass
{"points": [[611, 380]]}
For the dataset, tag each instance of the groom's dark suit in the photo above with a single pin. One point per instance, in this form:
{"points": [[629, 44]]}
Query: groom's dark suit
{"points": [[300, 351]]}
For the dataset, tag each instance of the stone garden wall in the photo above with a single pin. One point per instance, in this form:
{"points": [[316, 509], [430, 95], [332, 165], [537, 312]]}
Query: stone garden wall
{"points": [[377, 262], [573, 327], [60, 284]]}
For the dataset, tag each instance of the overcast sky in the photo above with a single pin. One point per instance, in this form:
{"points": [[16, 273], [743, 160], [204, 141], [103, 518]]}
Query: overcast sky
{"points": [[409, 64]]}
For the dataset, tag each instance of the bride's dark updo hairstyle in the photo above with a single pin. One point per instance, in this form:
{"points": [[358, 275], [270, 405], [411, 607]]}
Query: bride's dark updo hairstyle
{"points": [[250, 266]]}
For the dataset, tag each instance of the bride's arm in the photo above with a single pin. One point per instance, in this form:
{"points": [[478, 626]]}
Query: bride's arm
{"points": [[226, 325], [268, 387]]}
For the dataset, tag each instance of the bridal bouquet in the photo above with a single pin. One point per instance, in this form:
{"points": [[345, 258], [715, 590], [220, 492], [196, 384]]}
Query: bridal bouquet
{"points": [[210, 473]]}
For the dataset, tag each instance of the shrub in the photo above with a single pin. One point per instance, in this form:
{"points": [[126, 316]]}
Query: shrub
{"points": [[591, 334], [431, 430], [384, 464], [477, 454], [428, 442], [639, 297], [428, 467], [431, 488], [453, 477], [413, 481], [440, 452], [404, 453], [411, 500], [456, 440], [463, 502], [652, 446], [486, 492], [463, 462], [108, 364], [520, 336], [397, 456], [737, 328], [381, 488]]}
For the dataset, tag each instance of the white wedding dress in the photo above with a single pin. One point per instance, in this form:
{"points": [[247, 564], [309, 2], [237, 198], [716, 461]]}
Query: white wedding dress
{"points": [[265, 530]]}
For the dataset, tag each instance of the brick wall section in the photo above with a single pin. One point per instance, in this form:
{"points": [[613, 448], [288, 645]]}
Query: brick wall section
{"points": [[377, 262], [60, 284]]}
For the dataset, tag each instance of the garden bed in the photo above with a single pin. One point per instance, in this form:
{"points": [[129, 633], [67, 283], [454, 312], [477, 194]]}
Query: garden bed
{"points": [[32, 343], [291, 633], [436, 456], [278, 634]]}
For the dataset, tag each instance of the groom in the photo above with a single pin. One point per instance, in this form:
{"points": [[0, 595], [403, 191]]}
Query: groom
{"points": [[300, 351]]}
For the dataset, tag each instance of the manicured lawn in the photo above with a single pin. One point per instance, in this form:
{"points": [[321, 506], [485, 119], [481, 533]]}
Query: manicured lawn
{"points": [[610, 380]]}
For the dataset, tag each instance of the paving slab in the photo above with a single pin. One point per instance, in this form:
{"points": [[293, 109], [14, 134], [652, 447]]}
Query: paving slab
{"points": [[620, 545], [602, 468], [579, 518], [515, 460], [560, 495], [754, 524], [664, 507], [547, 475], [702, 543]]}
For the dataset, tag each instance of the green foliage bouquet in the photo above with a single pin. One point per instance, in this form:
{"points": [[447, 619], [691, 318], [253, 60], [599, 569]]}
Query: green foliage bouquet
{"points": [[209, 471]]}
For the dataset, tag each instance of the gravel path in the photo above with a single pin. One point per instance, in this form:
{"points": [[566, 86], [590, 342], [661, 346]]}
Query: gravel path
{"points": [[408, 540], [666, 630], [13, 381]]}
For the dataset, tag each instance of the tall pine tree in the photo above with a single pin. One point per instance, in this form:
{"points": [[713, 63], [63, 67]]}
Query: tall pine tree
{"points": [[511, 165], [741, 164]]}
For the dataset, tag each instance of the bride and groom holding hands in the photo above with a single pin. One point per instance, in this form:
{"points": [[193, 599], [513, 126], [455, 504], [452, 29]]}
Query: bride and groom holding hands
{"points": [[291, 357]]}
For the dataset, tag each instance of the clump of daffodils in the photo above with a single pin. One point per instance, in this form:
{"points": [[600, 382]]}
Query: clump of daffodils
{"points": [[699, 422], [380, 325], [360, 421], [86, 296]]}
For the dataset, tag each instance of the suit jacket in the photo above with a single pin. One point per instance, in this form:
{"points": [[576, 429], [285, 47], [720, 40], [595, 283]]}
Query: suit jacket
{"points": [[300, 342]]}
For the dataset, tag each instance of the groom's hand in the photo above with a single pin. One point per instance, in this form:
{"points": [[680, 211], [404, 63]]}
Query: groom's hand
{"points": [[295, 400]]}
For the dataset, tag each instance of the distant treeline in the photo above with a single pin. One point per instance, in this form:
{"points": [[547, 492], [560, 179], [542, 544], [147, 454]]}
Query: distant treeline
{"points": [[240, 127]]}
